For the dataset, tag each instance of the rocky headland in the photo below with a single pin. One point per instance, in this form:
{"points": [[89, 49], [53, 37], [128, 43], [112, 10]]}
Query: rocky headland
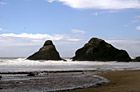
{"points": [[47, 52], [99, 50]]}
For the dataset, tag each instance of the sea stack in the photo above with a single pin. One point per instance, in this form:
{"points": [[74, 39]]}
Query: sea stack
{"points": [[137, 59], [47, 52], [99, 50]]}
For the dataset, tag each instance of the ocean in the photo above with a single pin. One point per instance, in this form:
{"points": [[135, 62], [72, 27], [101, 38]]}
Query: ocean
{"points": [[23, 65]]}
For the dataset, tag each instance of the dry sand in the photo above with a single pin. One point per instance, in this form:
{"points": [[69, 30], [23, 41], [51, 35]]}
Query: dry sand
{"points": [[122, 81]]}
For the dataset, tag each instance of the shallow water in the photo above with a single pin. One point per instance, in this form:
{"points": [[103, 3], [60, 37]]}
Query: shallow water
{"points": [[21, 64], [51, 82]]}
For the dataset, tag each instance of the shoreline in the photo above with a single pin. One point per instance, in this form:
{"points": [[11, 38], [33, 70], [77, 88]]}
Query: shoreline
{"points": [[100, 77], [94, 71], [49, 82], [120, 81], [66, 70]]}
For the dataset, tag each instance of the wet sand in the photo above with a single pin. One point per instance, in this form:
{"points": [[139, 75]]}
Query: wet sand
{"points": [[48, 82], [74, 81], [121, 81]]}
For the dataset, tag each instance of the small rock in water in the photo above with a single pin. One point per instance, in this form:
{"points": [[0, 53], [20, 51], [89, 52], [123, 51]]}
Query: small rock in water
{"points": [[1, 88], [98, 84], [18, 82], [137, 59], [33, 74], [0, 77]]}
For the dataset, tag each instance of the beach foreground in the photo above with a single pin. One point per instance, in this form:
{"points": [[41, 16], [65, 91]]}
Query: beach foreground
{"points": [[48, 82], [73, 81], [122, 81]]}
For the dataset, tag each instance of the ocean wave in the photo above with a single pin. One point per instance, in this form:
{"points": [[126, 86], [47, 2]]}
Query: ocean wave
{"points": [[24, 64]]}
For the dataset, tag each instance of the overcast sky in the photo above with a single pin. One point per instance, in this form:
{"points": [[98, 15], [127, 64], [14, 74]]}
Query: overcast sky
{"points": [[26, 24]]}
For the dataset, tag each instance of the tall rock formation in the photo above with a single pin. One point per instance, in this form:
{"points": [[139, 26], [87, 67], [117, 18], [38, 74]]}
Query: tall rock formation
{"points": [[99, 50], [47, 52]]}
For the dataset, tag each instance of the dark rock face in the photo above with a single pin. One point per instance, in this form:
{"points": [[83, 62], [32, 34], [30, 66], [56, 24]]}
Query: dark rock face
{"points": [[33, 74], [0, 77], [137, 59], [99, 50], [47, 52]]}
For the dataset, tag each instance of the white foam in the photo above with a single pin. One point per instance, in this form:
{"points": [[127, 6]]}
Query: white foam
{"points": [[24, 64]]}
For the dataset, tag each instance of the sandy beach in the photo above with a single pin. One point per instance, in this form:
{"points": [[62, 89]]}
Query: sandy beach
{"points": [[121, 81], [62, 75], [72, 81], [69, 45]]}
